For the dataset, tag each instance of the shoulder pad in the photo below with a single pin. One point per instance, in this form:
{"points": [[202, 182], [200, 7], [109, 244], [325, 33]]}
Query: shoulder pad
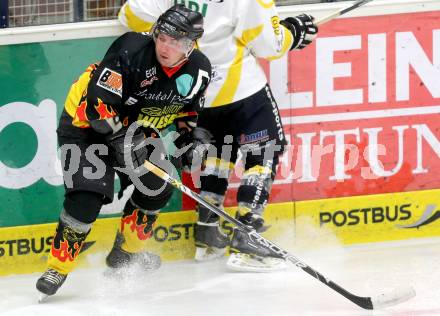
{"points": [[198, 58], [130, 43]]}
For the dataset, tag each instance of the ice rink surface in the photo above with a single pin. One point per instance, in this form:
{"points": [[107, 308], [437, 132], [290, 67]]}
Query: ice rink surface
{"points": [[189, 288]]}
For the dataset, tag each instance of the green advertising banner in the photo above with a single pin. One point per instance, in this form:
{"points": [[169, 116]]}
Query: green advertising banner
{"points": [[35, 79]]}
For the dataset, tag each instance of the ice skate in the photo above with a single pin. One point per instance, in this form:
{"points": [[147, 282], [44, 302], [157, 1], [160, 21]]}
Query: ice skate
{"points": [[211, 242], [49, 283], [119, 258], [249, 256]]}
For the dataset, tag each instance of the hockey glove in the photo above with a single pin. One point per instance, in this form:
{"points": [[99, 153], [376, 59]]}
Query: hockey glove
{"points": [[302, 28], [199, 140], [128, 151]]}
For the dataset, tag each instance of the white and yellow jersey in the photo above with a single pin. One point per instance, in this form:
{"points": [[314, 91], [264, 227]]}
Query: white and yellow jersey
{"points": [[236, 33]]}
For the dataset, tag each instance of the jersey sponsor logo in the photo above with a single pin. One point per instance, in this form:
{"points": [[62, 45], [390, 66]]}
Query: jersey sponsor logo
{"points": [[159, 117], [276, 114], [193, 5], [111, 80], [257, 137], [160, 111], [150, 77], [156, 122], [148, 82], [275, 20], [161, 96], [215, 74], [150, 72]]}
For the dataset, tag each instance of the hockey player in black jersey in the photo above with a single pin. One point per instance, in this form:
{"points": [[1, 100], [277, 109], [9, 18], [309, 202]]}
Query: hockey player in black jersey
{"points": [[240, 112], [112, 118]]}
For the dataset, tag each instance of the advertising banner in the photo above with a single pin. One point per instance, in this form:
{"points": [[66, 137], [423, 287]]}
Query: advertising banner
{"points": [[24, 249], [365, 106], [365, 219]]}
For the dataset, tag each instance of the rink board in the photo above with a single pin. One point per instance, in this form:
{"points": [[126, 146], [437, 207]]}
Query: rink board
{"points": [[377, 90], [373, 218], [24, 249], [307, 224]]}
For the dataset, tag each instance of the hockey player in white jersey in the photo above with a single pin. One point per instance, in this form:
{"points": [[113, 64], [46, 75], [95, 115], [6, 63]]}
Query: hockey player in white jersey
{"points": [[240, 112]]}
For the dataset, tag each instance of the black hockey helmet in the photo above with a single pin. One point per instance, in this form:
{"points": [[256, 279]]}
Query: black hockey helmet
{"points": [[180, 22]]}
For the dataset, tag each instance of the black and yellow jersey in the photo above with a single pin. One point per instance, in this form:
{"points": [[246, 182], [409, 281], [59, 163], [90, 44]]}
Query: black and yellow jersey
{"points": [[131, 83]]}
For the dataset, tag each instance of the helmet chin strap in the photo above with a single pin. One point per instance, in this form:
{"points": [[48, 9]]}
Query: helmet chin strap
{"points": [[190, 51], [179, 62]]}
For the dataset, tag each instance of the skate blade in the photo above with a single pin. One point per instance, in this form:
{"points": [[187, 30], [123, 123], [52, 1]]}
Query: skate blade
{"points": [[42, 298], [208, 253], [246, 263]]}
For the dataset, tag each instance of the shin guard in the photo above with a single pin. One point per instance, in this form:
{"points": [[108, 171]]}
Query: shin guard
{"points": [[131, 239], [136, 227], [67, 243]]}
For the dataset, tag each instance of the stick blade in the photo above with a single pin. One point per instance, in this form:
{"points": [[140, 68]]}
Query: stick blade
{"points": [[394, 297]]}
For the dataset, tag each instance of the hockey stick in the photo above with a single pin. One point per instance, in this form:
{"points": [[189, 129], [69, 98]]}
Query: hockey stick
{"points": [[380, 301], [334, 15]]}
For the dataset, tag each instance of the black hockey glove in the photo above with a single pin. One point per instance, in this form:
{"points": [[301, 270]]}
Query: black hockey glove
{"points": [[302, 28], [132, 153], [199, 140]]}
